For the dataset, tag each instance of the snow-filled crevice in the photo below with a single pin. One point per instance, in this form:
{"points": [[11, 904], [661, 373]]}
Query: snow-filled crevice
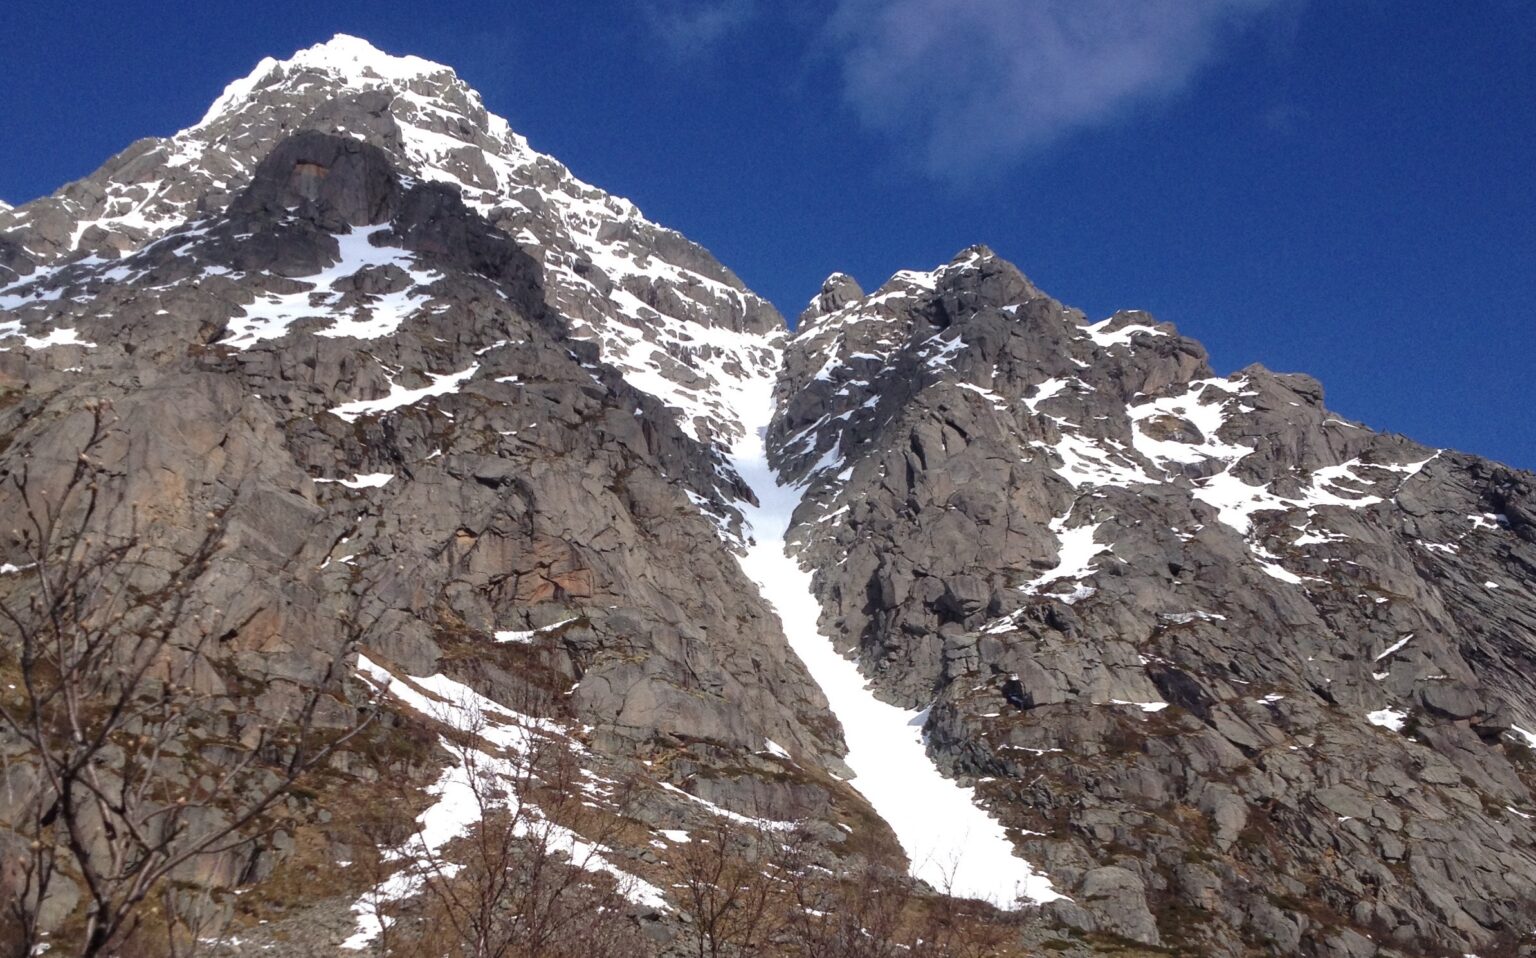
{"points": [[951, 842]]}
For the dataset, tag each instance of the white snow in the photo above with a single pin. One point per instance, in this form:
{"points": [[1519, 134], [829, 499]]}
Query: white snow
{"points": [[1319, 537], [1206, 405], [10, 328], [1075, 560], [681, 351], [57, 337], [1388, 718], [767, 824], [998, 402], [506, 736], [1492, 521], [1203, 406], [1101, 335], [523, 638], [950, 841], [1184, 618], [342, 53], [270, 315], [942, 358], [1236, 501], [1144, 706], [1395, 646], [442, 384], [372, 480], [1044, 391], [1085, 462], [1527, 734]]}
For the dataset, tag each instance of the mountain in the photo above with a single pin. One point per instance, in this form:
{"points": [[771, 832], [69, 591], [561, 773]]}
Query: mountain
{"points": [[946, 582]]}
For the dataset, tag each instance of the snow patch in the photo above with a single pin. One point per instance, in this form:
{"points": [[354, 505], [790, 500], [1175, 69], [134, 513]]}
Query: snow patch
{"points": [[1085, 462], [1144, 706], [527, 637], [506, 736], [1044, 391], [1074, 561], [1395, 646], [442, 384], [767, 824], [1105, 339], [372, 480], [270, 315], [1388, 718], [1202, 406]]}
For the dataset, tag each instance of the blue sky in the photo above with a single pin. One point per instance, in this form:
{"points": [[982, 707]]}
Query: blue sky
{"points": [[1342, 187]]}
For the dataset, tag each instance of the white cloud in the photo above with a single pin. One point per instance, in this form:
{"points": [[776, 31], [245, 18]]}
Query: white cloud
{"points": [[694, 28], [975, 83]]}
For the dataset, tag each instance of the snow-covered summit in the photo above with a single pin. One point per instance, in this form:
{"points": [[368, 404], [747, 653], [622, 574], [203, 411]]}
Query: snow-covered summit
{"points": [[351, 59], [674, 321]]}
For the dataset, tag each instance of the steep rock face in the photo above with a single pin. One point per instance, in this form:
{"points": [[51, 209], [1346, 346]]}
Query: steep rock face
{"points": [[472, 394], [185, 241], [407, 444], [1260, 672]]}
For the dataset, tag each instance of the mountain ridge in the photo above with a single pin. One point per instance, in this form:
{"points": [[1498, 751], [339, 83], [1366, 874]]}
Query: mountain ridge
{"points": [[1148, 624]]}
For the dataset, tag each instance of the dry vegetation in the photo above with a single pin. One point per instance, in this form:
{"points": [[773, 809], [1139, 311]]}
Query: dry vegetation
{"points": [[121, 801]]}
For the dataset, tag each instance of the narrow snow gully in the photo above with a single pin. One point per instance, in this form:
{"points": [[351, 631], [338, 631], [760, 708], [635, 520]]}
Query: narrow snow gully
{"points": [[953, 844]]}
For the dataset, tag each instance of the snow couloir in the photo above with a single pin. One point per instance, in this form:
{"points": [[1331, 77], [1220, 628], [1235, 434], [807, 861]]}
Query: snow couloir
{"points": [[952, 843]]}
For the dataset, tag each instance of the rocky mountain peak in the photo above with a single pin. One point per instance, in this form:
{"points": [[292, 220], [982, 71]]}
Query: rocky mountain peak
{"points": [[353, 61], [1186, 658], [661, 309], [837, 291]]}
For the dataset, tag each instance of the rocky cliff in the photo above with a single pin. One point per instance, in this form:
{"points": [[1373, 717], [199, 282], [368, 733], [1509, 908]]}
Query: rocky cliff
{"points": [[1203, 666], [1246, 669]]}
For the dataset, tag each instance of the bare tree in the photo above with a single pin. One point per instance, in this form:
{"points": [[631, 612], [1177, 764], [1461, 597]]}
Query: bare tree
{"points": [[530, 879], [876, 913], [948, 927], [730, 885], [108, 787], [376, 832], [857, 916]]}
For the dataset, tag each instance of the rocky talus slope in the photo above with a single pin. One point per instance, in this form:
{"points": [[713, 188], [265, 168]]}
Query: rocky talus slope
{"points": [[1201, 666]]}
